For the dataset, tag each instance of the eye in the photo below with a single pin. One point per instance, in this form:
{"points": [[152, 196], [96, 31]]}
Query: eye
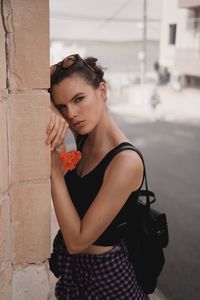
{"points": [[78, 99], [60, 106]]}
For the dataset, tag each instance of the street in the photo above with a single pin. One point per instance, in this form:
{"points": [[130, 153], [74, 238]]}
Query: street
{"points": [[172, 156]]}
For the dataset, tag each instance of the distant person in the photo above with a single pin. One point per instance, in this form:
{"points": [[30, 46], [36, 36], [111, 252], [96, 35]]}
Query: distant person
{"points": [[155, 99], [156, 66], [162, 73], [92, 199]]}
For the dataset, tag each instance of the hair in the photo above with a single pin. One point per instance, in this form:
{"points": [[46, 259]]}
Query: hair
{"points": [[82, 70]]}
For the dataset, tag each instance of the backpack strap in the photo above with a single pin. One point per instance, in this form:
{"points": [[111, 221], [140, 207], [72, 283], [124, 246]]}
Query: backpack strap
{"points": [[127, 146], [80, 140]]}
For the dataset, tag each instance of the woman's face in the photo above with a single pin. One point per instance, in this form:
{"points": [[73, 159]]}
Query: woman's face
{"points": [[80, 104]]}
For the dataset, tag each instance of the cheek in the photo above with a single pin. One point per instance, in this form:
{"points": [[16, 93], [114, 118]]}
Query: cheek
{"points": [[96, 111], [91, 110]]}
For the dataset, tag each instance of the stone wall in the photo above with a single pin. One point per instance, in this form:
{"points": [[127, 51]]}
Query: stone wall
{"points": [[25, 199]]}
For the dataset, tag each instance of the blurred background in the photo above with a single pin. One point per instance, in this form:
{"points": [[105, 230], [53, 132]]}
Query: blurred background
{"points": [[151, 52]]}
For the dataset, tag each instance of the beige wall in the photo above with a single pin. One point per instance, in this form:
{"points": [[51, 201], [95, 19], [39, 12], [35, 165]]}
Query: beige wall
{"points": [[25, 200]]}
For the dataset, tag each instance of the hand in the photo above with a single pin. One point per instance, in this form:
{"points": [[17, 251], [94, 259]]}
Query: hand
{"points": [[57, 128], [56, 165]]}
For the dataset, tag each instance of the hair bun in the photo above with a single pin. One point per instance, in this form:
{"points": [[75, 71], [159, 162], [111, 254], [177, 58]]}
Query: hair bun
{"points": [[98, 68], [91, 61]]}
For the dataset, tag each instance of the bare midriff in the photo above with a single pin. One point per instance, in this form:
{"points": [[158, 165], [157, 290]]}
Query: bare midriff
{"points": [[93, 249]]}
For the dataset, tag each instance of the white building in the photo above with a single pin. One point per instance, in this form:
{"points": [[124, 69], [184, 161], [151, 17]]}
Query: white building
{"points": [[180, 40]]}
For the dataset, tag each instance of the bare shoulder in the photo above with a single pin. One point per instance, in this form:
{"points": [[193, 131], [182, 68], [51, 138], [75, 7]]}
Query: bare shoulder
{"points": [[127, 159], [128, 165]]}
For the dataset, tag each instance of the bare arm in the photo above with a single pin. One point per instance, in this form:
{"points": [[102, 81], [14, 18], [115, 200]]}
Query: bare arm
{"points": [[57, 127], [123, 176]]}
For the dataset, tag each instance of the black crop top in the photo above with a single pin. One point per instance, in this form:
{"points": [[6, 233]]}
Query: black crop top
{"points": [[84, 189]]}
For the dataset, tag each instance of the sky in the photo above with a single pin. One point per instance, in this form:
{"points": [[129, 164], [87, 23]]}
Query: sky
{"points": [[103, 20]]}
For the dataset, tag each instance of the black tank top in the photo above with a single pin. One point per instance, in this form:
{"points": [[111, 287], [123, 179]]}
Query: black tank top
{"points": [[83, 191]]}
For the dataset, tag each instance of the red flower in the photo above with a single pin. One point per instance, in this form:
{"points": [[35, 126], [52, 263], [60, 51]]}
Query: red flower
{"points": [[69, 159]]}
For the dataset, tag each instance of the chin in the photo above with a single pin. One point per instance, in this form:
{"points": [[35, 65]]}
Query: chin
{"points": [[83, 131]]}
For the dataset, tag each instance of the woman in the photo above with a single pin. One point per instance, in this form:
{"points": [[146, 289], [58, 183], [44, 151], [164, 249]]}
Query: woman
{"points": [[91, 200]]}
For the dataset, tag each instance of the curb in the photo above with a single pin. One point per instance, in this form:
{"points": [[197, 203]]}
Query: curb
{"points": [[157, 295]]}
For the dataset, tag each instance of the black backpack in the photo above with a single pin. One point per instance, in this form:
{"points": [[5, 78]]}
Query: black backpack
{"points": [[146, 235]]}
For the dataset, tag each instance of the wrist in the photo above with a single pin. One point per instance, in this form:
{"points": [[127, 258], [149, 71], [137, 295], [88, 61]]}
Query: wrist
{"points": [[56, 172]]}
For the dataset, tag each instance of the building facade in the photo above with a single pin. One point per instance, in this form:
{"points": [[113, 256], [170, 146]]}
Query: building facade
{"points": [[180, 40]]}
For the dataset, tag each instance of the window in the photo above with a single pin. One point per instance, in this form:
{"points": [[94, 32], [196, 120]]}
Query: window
{"points": [[172, 34]]}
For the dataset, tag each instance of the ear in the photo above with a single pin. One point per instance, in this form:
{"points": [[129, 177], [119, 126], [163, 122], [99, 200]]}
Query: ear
{"points": [[103, 90]]}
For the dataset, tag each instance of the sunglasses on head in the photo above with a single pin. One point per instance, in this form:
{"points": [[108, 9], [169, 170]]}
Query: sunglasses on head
{"points": [[68, 62]]}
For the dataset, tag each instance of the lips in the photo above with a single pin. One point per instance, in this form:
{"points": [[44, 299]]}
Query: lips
{"points": [[77, 123]]}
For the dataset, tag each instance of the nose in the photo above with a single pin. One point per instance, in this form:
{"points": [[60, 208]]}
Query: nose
{"points": [[72, 113]]}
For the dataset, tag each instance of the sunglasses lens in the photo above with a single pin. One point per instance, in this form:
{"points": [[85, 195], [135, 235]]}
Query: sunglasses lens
{"points": [[68, 62], [52, 69]]}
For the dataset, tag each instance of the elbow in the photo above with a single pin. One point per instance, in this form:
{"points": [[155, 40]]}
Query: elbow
{"points": [[74, 248], [76, 244], [71, 251]]}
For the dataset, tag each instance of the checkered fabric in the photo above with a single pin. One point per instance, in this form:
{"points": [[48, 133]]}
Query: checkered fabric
{"points": [[106, 276]]}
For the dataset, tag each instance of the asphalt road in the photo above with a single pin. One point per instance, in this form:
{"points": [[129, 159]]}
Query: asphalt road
{"points": [[172, 156]]}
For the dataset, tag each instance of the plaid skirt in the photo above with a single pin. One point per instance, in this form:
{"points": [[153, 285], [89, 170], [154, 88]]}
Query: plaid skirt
{"points": [[106, 276]]}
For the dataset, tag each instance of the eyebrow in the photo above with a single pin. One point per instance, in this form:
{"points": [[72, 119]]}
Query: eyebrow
{"points": [[74, 97]]}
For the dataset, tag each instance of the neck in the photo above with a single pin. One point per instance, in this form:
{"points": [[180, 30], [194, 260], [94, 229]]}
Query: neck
{"points": [[102, 135]]}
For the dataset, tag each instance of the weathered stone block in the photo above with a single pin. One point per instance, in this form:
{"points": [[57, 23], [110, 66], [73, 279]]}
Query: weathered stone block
{"points": [[29, 116], [5, 238], [5, 248], [3, 146], [28, 43], [5, 279], [2, 57], [53, 281], [31, 221], [31, 283]]}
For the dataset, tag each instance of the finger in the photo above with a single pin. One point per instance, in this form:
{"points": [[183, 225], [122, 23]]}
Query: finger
{"points": [[54, 131], [66, 126], [59, 139], [51, 123], [50, 127]]}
